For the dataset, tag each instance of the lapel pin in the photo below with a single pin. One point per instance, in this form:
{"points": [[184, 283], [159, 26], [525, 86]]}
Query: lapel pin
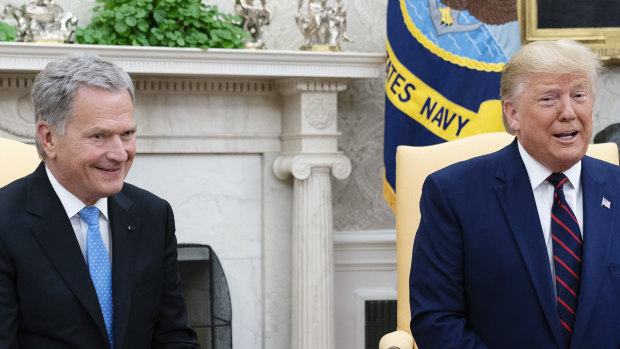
{"points": [[131, 227], [606, 203]]}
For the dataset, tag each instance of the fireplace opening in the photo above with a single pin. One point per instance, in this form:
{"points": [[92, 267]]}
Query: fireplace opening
{"points": [[207, 298], [380, 318]]}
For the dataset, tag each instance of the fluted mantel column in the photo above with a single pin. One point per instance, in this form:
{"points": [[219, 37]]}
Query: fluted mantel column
{"points": [[310, 154]]}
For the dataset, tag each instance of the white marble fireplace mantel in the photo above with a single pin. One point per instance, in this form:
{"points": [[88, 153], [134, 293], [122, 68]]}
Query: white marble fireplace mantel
{"points": [[198, 62], [243, 143]]}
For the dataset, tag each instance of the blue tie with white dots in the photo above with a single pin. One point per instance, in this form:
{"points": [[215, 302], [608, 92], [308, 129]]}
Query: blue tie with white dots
{"points": [[99, 266]]}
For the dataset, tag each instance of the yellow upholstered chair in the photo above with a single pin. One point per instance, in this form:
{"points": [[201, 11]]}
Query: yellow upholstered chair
{"points": [[413, 164], [17, 159]]}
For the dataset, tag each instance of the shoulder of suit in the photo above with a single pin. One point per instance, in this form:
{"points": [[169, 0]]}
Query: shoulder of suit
{"points": [[476, 166], [601, 168], [597, 163], [14, 190], [138, 194]]}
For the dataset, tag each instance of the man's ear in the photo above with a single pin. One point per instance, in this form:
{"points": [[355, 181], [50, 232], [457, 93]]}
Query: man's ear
{"points": [[512, 116], [46, 138]]}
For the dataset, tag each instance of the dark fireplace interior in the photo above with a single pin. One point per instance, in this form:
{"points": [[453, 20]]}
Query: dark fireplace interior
{"points": [[380, 319], [207, 297]]}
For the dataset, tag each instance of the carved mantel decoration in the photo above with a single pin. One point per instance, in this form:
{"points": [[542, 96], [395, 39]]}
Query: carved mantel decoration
{"points": [[278, 105]]}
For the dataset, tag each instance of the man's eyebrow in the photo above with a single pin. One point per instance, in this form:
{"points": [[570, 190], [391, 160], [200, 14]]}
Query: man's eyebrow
{"points": [[583, 84], [546, 89], [98, 129]]}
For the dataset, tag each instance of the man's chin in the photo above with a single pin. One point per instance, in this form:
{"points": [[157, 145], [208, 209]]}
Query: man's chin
{"points": [[112, 189], [565, 163]]}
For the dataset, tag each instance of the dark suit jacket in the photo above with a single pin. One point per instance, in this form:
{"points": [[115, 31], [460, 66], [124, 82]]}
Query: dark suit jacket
{"points": [[480, 274], [47, 299]]}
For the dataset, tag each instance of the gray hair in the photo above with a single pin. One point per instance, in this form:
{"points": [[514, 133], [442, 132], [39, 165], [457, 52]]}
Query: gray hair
{"points": [[55, 87], [556, 57]]}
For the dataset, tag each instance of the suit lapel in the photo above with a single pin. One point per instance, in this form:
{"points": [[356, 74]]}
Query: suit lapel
{"points": [[124, 246], [519, 206], [598, 222], [57, 238]]}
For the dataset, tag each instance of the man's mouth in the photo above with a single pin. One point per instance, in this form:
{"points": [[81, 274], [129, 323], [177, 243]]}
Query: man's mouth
{"points": [[107, 169], [565, 136]]}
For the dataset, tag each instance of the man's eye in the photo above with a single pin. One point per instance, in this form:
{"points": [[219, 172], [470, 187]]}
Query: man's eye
{"points": [[129, 133], [98, 136]]}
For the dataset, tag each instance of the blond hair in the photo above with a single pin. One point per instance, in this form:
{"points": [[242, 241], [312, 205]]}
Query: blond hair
{"points": [[556, 57]]}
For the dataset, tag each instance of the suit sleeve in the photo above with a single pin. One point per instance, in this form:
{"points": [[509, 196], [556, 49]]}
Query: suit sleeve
{"points": [[436, 281], [8, 302], [171, 331]]}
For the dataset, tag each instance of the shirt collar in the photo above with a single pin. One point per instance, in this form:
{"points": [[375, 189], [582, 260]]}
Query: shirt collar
{"points": [[70, 202], [538, 173]]}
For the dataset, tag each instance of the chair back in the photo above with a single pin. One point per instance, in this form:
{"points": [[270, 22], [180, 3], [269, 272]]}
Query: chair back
{"points": [[413, 165], [17, 160]]}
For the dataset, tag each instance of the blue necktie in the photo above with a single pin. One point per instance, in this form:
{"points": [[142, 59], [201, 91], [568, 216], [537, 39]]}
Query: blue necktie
{"points": [[99, 266], [567, 247]]}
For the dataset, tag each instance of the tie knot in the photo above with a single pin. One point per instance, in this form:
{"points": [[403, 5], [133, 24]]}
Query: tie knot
{"points": [[557, 179], [90, 215]]}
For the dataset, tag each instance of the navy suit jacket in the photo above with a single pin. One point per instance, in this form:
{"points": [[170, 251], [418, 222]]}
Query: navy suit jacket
{"points": [[47, 299], [480, 275]]}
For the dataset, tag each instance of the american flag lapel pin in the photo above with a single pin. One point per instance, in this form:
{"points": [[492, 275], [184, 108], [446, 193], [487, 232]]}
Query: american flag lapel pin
{"points": [[606, 203]]}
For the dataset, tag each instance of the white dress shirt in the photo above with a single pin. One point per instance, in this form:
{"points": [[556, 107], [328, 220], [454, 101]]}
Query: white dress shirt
{"points": [[72, 206], [543, 194]]}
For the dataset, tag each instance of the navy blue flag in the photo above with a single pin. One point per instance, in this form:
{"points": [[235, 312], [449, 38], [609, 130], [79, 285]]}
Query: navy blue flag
{"points": [[443, 64]]}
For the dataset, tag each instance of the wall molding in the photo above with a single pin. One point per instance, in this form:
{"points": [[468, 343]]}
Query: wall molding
{"points": [[365, 238], [366, 250]]}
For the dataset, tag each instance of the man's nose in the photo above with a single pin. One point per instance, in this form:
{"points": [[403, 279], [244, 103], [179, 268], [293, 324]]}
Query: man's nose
{"points": [[116, 149], [566, 110]]}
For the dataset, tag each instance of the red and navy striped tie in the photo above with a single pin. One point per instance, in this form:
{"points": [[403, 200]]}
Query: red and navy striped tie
{"points": [[567, 247]]}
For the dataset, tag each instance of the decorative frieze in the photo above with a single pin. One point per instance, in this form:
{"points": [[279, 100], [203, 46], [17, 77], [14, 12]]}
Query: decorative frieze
{"points": [[16, 82], [296, 85], [202, 86]]}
